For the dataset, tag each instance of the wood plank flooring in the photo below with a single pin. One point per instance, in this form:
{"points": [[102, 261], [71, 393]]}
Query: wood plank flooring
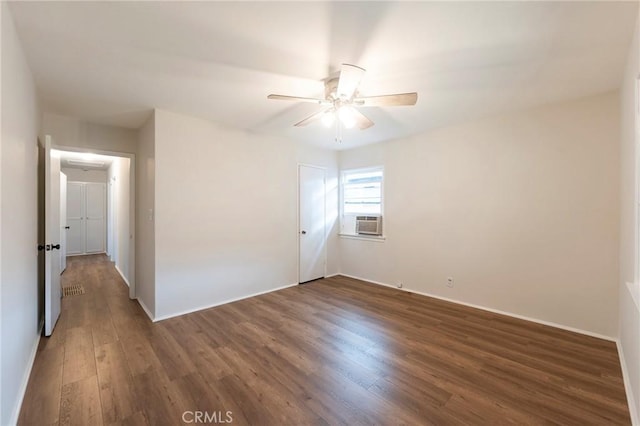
{"points": [[335, 351]]}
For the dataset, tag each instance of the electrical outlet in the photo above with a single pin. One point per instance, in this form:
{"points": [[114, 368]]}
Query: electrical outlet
{"points": [[449, 281], [399, 285]]}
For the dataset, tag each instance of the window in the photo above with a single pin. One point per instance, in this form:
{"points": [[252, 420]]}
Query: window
{"points": [[362, 191], [361, 195]]}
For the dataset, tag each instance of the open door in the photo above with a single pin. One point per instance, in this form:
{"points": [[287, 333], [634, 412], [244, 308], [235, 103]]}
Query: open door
{"points": [[63, 222], [52, 290]]}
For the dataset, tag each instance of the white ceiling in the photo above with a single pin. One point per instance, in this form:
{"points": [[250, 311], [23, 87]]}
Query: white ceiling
{"points": [[111, 62]]}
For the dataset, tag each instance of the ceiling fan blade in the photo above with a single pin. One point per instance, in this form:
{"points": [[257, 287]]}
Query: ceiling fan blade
{"points": [[350, 77], [297, 99], [361, 120], [397, 99], [310, 119]]}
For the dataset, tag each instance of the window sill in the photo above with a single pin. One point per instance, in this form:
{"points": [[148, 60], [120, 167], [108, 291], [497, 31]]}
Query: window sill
{"points": [[376, 238]]}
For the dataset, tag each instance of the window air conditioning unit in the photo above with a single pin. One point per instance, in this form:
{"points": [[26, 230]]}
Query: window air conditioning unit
{"points": [[369, 225]]}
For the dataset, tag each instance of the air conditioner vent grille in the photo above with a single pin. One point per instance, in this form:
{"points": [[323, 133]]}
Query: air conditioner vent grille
{"points": [[369, 225]]}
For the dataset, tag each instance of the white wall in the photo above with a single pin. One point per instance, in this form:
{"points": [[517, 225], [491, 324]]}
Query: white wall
{"points": [[226, 212], [73, 132], [79, 175], [144, 224], [18, 222], [630, 309], [118, 176], [521, 210]]}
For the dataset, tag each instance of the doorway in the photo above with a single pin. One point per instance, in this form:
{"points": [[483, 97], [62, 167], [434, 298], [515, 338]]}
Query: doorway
{"points": [[311, 223], [101, 206]]}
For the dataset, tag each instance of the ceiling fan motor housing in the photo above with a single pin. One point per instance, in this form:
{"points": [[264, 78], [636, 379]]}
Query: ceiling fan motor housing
{"points": [[331, 89]]}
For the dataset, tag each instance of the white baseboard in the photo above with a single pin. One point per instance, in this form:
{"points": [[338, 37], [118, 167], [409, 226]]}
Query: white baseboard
{"points": [[145, 309], [631, 401], [126, 281], [495, 311], [25, 380], [85, 254], [201, 308]]}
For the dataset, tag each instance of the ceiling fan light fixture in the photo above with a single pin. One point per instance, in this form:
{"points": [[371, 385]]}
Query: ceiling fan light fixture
{"points": [[85, 163], [347, 117], [341, 96]]}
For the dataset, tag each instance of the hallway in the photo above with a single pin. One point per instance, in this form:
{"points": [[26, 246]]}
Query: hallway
{"points": [[80, 375]]}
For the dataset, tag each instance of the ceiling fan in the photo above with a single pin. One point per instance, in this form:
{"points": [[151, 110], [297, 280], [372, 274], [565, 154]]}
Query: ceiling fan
{"points": [[342, 98]]}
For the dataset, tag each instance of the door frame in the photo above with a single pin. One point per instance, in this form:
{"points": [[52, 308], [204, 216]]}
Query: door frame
{"points": [[132, 204], [63, 222], [85, 219], [109, 219], [324, 233]]}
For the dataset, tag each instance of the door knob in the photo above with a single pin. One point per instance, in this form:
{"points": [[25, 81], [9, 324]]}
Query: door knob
{"points": [[55, 247], [67, 227], [303, 232], [40, 247]]}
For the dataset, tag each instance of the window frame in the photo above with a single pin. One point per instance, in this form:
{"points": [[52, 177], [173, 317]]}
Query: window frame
{"points": [[352, 234]]}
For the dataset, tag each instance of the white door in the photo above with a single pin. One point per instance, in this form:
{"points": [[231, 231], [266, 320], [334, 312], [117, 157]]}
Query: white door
{"points": [[63, 222], [95, 217], [86, 202], [311, 187], [75, 218], [52, 291]]}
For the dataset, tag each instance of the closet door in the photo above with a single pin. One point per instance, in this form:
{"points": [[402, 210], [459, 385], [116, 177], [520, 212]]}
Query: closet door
{"points": [[95, 217], [75, 218]]}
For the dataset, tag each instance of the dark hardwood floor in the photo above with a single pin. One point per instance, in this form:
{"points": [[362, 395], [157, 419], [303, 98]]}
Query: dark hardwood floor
{"points": [[335, 351]]}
